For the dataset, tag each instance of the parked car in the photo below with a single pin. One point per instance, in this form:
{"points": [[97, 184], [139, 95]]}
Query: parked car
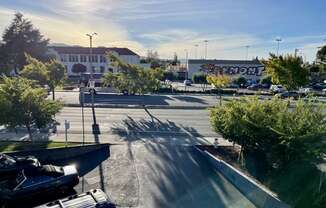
{"points": [[277, 89], [233, 85], [266, 86], [319, 86], [254, 87], [305, 90], [187, 82], [290, 94], [9, 166], [43, 180], [95, 198]]}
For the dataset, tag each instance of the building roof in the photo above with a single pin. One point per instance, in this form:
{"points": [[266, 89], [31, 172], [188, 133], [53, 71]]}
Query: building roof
{"points": [[225, 62], [96, 50]]}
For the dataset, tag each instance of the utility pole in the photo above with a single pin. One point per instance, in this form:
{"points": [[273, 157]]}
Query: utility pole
{"points": [[95, 126], [247, 51], [196, 47], [206, 42], [278, 40]]}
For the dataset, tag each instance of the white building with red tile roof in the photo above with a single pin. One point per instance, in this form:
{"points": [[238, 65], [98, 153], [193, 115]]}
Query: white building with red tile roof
{"points": [[70, 56]]}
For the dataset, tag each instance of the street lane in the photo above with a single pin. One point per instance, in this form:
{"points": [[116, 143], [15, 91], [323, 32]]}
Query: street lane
{"points": [[118, 125]]}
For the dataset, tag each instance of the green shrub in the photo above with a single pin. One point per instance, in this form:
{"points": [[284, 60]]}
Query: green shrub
{"points": [[199, 78], [271, 128]]}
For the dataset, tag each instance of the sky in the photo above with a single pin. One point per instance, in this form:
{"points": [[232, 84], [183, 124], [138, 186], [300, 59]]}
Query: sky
{"points": [[177, 26]]}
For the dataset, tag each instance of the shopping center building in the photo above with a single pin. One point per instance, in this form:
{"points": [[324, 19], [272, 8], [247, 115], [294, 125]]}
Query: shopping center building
{"points": [[251, 69]]}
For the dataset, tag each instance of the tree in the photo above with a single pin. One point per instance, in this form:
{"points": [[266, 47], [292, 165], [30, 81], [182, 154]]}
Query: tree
{"points": [[200, 78], [56, 75], [23, 105], [19, 38], [79, 68], [169, 75], [269, 128], [287, 71], [175, 60], [219, 82], [35, 70], [321, 54], [266, 80], [52, 73], [132, 77], [241, 81]]}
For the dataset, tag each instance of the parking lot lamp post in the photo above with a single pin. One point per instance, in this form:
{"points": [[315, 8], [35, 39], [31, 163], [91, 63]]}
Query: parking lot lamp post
{"points": [[278, 40], [95, 126]]}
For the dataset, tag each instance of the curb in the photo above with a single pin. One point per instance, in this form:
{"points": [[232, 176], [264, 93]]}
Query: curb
{"points": [[257, 194], [138, 106]]}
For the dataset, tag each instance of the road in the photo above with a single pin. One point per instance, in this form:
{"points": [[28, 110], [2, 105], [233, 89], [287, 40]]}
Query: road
{"points": [[72, 97], [153, 162], [120, 125]]}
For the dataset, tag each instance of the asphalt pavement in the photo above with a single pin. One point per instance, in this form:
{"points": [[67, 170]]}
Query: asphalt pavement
{"points": [[121, 125], [149, 174]]}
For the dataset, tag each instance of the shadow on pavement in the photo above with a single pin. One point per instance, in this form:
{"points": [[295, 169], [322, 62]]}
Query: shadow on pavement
{"points": [[153, 99], [187, 180], [191, 99], [87, 162], [133, 130], [128, 100]]}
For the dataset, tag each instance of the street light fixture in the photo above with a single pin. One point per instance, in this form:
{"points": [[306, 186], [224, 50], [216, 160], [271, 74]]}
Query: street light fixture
{"points": [[278, 40], [196, 47], [95, 126]]}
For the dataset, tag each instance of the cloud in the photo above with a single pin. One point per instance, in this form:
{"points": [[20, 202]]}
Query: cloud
{"points": [[73, 31]]}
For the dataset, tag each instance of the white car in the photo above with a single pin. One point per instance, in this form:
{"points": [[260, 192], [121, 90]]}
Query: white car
{"points": [[306, 90], [277, 88], [187, 82], [324, 91]]}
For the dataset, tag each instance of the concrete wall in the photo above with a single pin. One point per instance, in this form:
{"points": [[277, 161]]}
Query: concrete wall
{"points": [[55, 154], [256, 193]]}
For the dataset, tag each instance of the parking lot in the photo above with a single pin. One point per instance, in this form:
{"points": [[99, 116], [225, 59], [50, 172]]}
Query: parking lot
{"points": [[152, 175]]}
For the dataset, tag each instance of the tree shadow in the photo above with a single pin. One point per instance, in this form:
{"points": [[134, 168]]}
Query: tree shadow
{"points": [[180, 177], [133, 130], [190, 99], [106, 98]]}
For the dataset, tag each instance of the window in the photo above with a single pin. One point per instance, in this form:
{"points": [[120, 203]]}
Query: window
{"points": [[102, 59], [83, 58], [92, 58], [63, 58], [73, 58], [93, 69], [102, 69]]}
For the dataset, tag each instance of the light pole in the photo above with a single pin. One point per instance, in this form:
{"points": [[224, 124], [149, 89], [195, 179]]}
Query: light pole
{"points": [[196, 47], [95, 126], [186, 58], [247, 51], [278, 40], [206, 42]]}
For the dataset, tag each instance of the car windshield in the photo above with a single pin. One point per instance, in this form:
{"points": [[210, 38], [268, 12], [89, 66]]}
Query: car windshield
{"points": [[6, 160]]}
